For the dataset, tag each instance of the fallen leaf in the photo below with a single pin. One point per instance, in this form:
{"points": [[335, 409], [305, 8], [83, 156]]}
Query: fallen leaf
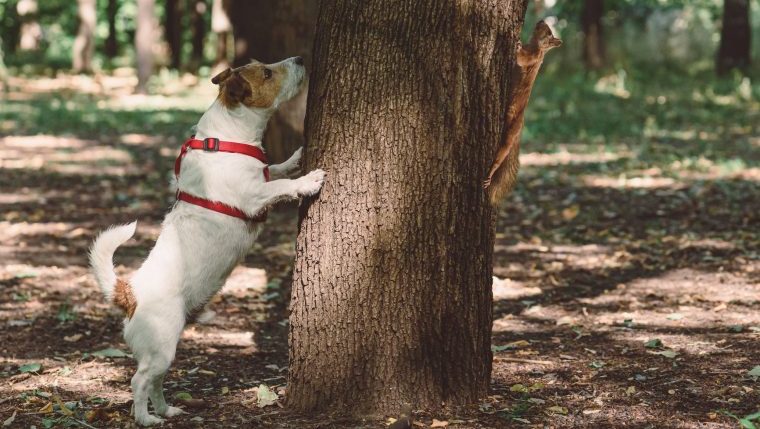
{"points": [[225, 390], [571, 212], [670, 354], [754, 372], [110, 352], [630, 390], [183, 396], [556, 409], [518, 388], [47, 409], [64, 409], [439, 423], [9, 420], [265, 396], [72, 338], [653, 343], [721, 307], [30, 367], [675, 316]]}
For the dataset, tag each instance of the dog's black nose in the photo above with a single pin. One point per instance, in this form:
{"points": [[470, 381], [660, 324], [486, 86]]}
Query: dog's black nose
{"points": [[298, 60]]}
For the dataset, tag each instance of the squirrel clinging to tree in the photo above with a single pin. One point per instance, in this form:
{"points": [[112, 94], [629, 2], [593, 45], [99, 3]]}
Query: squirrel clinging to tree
{"points": [[503, 172]]}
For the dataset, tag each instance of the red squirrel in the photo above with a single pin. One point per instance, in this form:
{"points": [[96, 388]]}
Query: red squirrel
{"points": [[503, 172]]}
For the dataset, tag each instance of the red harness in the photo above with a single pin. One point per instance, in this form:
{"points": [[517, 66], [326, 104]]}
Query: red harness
{"points": [[215, 145]]}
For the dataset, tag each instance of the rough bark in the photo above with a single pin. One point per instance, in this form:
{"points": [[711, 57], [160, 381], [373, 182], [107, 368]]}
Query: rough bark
{"points": [[84, 43], [735, 36], [270, 31], [112, 44], [593, 36], [199, 9], [173, 32], [144, 41], [392, 297], [220, 24], [30, 31]]}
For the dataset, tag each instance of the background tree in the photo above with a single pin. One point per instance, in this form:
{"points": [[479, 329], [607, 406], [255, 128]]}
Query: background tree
{"points": [[84, 44], [144, 41], [735, 36], [112, 44], [391, 299], [198, 9], [30, 31], [593, 36], [173, 31], [269, 31], [222, 27]]}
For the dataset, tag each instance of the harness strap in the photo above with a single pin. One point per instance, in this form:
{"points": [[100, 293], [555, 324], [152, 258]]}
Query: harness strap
{"points": [[215, 145]]}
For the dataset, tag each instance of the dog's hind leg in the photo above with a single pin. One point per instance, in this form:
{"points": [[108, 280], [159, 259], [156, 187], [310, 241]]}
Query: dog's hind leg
{"points": [[153, 342], [158, 400], [141, 387]]}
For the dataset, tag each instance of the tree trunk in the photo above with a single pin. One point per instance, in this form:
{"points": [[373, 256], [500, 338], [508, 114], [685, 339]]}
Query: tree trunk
{"points": [[593, 37], [270, 31], [84, 44], [735, 36], [392, 297], [144, 41], [220, 24], [199, 8], [30, 31], [173, 32], [112, 44]]}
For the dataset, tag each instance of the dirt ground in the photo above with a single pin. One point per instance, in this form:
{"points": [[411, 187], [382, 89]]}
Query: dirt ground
{"points": [[619, 300]]}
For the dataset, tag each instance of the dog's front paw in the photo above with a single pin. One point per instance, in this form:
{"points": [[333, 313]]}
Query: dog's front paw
{"points": [[311, 183], [148, 420]]}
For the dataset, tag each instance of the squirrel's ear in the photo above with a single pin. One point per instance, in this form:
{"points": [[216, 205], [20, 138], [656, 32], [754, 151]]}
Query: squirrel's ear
{"points": [[221, 77]]}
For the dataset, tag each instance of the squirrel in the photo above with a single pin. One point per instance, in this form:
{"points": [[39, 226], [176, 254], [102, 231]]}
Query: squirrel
{"points": [[503, 172]]}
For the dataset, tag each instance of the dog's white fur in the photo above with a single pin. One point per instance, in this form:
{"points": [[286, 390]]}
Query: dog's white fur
{"points": [[198, 248]]}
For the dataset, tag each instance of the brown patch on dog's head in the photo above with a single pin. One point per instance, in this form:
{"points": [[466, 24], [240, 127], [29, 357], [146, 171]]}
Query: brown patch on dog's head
{"points": [[124, 298], [253, 85]]}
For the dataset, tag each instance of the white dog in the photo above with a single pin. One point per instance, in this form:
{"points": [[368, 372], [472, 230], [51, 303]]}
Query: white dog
{"points": [[199, 244]]}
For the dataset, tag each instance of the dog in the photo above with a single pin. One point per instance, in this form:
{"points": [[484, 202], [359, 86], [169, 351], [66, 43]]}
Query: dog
{"points": [[199, 245]]}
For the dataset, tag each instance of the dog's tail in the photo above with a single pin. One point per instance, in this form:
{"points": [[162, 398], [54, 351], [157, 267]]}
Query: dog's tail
{"points": [[101, 255]]}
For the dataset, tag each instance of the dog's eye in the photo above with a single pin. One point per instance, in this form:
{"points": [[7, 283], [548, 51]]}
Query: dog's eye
{"points": [[267, 73]]}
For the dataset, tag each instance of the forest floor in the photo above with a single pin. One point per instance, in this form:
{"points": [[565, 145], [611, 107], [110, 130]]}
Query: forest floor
{"points": [[627, 289]]}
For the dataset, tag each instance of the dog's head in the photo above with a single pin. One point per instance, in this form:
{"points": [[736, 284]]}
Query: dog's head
{"points": [[258, 85]]}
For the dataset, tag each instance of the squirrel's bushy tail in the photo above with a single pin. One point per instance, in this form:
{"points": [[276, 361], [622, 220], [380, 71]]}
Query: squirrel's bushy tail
{"points": [[503, 181]]}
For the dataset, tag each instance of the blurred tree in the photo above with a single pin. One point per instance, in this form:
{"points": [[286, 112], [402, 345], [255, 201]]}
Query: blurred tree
{"points": [[112, 44], [31, 31], [198, 10], [220, 24], [392, 292], [735, 36], [269, 31], [593, 37], [84, 44], [145, 38], [173, 31]]}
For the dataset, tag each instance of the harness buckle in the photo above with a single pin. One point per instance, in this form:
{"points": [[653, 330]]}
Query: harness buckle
{"points": [[211, 144]]}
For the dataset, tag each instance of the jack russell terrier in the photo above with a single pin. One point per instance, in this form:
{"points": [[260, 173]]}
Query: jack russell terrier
{"points": [[223, 192]]}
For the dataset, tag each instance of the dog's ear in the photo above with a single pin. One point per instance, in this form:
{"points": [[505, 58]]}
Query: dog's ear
{"points": [[234, 90], [221, 77]]}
